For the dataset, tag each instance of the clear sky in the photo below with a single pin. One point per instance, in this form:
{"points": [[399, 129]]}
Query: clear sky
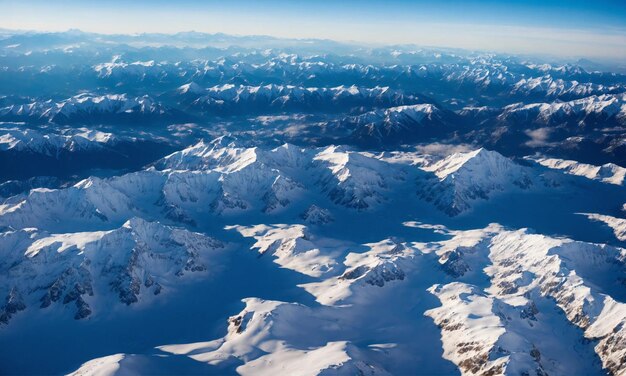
{"points": [[572, 28]]}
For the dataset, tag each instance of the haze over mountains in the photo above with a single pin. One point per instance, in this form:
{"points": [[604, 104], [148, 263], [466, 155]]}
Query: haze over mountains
{"points": [[198, 203]]}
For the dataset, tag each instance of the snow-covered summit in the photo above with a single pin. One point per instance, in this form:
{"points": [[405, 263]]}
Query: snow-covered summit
{"points": [[191, 88], [354, 179], [462, 178]]}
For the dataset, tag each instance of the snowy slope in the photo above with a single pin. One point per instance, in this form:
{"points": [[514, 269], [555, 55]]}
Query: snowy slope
{"points": [[92, 270], [607, 173], [618, 225], [463, 178]]}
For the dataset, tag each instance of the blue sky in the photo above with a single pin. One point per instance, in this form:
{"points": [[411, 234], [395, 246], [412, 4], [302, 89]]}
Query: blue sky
{"points": [[558, 27]]}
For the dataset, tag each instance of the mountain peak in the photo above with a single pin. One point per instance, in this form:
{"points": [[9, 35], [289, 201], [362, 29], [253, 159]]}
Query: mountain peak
{"points": [[192, 88], [479, 157], [462, 178]]}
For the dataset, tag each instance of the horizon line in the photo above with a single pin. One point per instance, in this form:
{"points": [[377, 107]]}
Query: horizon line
{"points": [[345, 43]]}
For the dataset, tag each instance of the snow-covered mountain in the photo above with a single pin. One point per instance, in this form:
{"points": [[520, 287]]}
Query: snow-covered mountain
{"points": [[549, 87], [608, 173], [603, 110], [208, 204], [502, 321], [353, 179], [222, 178], [397, 125], [92, 270], [33, 141], [117, 69], [84, 252], [235, 99], [209, 178], [90, 109], [463, 178]]}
